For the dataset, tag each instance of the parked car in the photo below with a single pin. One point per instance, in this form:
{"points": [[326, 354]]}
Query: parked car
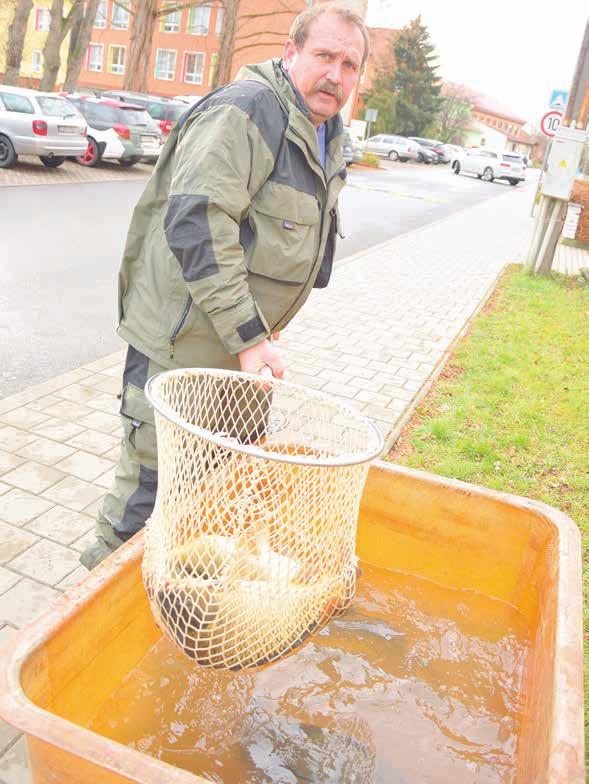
{"points": [[116, 131], [395, 148], [491, 165], [436, 146], [37, 123], [426, 154], [347, 149], [164, 111], [453, 151], [187, 99]]}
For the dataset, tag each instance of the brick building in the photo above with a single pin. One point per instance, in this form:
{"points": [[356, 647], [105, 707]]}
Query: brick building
{"points": [[381, 39], [184, 51], [495, 125]]}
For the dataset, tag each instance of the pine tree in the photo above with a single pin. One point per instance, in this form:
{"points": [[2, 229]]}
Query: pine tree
{"points": [[415, 82], [381, 95]]}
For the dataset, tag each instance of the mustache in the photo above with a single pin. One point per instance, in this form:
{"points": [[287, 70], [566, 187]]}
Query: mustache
{"points": [[327, 86]]}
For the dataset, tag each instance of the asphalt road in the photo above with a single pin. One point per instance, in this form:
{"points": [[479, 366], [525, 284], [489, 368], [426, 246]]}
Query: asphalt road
{"points": [[61, 246]]}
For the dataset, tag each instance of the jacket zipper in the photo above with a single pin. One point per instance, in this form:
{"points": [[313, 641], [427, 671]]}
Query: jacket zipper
{"points": [[179, 325]]}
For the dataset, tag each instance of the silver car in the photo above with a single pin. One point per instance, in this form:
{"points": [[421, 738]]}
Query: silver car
{"points": [[395, 148], [35, 123]]}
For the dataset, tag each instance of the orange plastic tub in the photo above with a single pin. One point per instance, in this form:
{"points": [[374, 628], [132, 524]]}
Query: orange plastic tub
{"points": [[57, 674]]}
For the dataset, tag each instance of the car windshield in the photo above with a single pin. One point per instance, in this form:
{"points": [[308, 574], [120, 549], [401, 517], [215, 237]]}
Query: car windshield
{"points": [[99, 112], [56, 107], [512, 158], [134, 117]]}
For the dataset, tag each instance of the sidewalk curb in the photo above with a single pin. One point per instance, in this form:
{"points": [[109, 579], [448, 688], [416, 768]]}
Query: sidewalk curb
{"points": [[376, 248]]}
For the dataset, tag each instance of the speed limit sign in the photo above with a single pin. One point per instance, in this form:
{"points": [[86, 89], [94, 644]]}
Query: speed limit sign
{"points": [[550, 123]]}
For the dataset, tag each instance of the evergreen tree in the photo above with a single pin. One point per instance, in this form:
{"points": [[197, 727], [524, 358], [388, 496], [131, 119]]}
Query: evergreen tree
{"points": [[415, 82], [406, 89], [381, 95]]}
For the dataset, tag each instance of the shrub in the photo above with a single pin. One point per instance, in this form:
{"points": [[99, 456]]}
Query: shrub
{"points": [[370, 159]]}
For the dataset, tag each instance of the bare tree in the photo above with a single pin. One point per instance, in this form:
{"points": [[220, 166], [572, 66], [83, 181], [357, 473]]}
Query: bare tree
{"points": [[58, 30], [145, 15], [81, 32], [454, 114], [222, 73], [248, 36], [16, 39]]}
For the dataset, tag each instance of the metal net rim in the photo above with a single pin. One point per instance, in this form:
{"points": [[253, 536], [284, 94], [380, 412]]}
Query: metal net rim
{"points": [[374, 436]]}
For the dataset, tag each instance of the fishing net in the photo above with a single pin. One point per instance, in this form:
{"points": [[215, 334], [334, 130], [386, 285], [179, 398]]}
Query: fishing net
{"points": [[251, 544]]}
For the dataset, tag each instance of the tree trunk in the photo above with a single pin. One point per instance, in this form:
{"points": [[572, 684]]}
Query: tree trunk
{"points": [[227, 43], [78, 53], [16, 39], [51, 53], [142, 32]]}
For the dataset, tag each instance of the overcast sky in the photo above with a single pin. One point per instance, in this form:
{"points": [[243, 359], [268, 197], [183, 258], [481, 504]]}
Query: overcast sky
{"points": [[515, 51]]}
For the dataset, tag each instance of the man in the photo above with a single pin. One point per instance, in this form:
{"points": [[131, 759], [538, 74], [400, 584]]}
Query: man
{"points": [[234, 229]]}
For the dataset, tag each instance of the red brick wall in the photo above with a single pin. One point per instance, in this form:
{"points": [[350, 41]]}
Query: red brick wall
{"points": [[580, 195]]}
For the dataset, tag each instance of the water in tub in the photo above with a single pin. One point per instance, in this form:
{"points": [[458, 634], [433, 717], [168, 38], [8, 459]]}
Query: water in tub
{"points": [[416, 684]]}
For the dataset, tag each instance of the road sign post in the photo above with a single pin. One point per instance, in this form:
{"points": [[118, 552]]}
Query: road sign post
{"points": [[370, 116]]}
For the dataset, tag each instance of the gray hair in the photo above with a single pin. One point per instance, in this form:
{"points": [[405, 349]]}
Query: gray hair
{"points": [[299, 32]]}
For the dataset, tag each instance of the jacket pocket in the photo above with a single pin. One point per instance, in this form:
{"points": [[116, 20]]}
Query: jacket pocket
{"points": [[139, 425], [285, 238]]}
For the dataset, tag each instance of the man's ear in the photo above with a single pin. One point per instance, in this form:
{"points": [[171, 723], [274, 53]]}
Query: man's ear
{"points": [[289, 54]]}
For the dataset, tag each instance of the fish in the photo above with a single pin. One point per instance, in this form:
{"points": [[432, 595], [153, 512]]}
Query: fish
{"points": [[238, 605]]}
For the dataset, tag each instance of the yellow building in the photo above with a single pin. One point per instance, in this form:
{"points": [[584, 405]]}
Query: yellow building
{"points": [[37, 28]]}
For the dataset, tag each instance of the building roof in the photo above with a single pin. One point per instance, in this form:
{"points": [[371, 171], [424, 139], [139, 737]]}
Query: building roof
{"points": [[486, 104]]}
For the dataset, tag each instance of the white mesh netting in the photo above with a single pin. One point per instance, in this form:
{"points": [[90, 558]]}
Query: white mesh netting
{"points": [[250, 547]]}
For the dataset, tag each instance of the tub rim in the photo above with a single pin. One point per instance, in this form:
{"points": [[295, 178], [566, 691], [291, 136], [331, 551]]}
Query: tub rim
{"points": [[566, 748]]}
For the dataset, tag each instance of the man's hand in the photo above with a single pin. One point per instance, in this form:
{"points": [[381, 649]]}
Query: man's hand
{"points": [[254, 358]]}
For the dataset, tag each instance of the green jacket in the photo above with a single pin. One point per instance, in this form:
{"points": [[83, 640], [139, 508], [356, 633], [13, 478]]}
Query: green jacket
{"points": [[235, 227]]}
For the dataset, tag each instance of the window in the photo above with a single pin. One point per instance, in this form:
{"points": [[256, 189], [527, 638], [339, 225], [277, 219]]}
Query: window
{"points": [[192, 71], [42, 19], [36, 62], [94, 59], [165, 64], [120, 18], [170, 23], [213, 68], [101, 12], [198, 20], [56, 107], [219, 22], [17, 103], [116, 59]]}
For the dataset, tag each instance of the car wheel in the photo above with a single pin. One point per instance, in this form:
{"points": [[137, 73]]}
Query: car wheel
{"points": [[456, 167], [51, 161], [92, 155], [488, 174], [513, 182], [393, 155], [126, 163], [8, 156]]}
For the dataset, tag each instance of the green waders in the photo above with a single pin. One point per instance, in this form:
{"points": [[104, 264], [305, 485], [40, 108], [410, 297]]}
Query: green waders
{"points": [[131, 498]]}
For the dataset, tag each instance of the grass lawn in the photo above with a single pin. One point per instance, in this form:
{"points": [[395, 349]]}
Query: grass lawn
{"points": [[511, 409]]}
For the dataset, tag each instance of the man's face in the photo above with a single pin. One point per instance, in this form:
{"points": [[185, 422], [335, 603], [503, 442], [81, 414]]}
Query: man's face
{"points": [[327, 67]]}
